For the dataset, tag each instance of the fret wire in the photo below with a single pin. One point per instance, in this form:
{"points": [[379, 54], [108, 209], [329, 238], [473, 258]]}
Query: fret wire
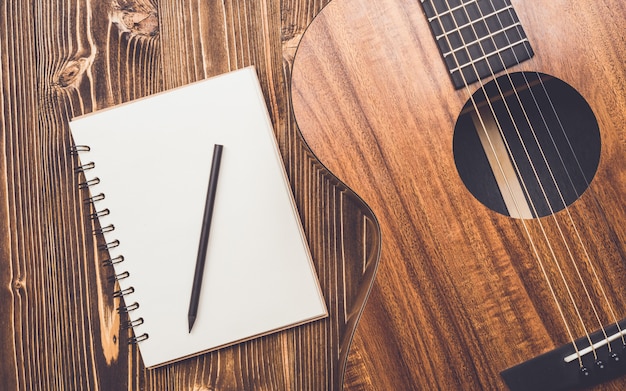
{"points": [[482, 19], [486, 57], [490, 35], [451, 10]]}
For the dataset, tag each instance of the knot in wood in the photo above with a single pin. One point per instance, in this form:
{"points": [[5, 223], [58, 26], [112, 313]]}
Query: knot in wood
{"points": [[18, 284], [137, 19], [72, 72]]}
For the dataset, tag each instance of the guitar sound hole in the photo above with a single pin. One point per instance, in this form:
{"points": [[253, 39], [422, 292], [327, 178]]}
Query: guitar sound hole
{"points": [[528, 147]]}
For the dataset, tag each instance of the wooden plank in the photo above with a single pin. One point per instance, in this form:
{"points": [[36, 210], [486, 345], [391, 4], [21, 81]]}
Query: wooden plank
{"points": [[65, 58]]}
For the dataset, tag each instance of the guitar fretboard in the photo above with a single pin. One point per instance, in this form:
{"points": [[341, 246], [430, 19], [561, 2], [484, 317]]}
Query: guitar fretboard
{"points": [[477, 38]]}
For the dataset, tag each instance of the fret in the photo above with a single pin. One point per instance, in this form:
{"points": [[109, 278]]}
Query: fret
{"points": [[473, 22], [451, 10], [483, 33], [475, 61], [479, 40]]}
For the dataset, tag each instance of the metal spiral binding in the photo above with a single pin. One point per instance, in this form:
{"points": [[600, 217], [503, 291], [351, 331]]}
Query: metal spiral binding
{"points": [[110, 245], [76, 149], [113, 261], [124, 292], [84, 167], [96, 198], [89, 183], [134, 340], [93, 200], [127, 308], [101, 230], [100, 213], [132, 323], [119, 276]]}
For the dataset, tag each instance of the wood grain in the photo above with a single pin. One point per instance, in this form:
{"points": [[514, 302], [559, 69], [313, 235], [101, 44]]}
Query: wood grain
{"points": [[60, 329], [459, 295]]}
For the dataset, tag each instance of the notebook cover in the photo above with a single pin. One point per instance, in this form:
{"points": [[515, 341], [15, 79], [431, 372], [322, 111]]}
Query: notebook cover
{"points": [[152, 158]]}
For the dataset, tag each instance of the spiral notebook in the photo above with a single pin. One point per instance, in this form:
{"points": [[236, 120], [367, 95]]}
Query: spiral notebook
{"points": [[146, 165]]}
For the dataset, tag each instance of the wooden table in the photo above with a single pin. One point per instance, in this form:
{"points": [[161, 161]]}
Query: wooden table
{"points": [[60, 329]]}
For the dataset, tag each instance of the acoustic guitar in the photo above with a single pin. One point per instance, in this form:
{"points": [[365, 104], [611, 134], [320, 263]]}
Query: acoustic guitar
{"points": [[488, 137]]}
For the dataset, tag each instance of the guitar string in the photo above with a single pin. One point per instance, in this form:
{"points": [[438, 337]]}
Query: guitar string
{"points": [[566, 207], [554, 181], [584, 176], [532, 164], [530, 237], [497, 14]]}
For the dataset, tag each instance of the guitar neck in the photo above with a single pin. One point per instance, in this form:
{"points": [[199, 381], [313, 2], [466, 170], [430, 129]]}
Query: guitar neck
{"points": [[477, 38]]}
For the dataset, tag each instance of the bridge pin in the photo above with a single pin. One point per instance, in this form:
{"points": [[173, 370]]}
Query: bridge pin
{"points": [[615, 358], [584, 372]]}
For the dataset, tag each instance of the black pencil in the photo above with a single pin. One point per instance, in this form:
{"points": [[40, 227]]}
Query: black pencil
{"points": [[204, 235]]}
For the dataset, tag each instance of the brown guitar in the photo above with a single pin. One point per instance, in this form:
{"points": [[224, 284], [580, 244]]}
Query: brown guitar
{"points": [[488, 137]]}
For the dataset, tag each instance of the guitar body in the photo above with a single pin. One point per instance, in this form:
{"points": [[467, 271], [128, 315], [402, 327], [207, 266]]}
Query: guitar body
{"points": [[462, 291]]}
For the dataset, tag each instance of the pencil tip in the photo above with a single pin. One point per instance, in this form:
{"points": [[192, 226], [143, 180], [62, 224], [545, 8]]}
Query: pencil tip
{"points": [[192, 319]]}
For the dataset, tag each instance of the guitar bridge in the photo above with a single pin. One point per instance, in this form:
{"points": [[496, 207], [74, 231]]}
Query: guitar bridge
{"points": [[567, 368]]}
